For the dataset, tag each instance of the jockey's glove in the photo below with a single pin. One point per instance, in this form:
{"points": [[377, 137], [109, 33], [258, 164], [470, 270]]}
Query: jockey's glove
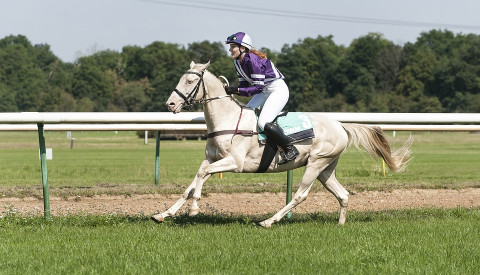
{"points": [[231, 90]]}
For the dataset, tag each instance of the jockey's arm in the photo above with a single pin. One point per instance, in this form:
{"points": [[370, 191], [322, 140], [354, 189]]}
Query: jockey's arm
{"points": [[250, 90]]}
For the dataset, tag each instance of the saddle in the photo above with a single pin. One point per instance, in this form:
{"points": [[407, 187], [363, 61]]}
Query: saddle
{"points": [[296, 125]]}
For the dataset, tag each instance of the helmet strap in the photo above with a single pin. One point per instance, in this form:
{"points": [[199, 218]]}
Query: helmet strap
{"points": [[241, 52]]}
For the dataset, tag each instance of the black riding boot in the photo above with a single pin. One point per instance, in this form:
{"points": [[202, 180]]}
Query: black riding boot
{"points": [[276, 134]]}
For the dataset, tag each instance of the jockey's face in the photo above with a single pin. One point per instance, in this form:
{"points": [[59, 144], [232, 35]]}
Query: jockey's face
{"points": [[235, 50]]}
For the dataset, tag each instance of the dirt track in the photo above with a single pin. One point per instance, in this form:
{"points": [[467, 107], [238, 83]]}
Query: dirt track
{"points": [[246, 203]]}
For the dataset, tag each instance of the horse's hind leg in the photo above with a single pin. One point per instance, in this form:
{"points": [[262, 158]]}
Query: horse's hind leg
{"points": [[328, 179], [311, 172]]}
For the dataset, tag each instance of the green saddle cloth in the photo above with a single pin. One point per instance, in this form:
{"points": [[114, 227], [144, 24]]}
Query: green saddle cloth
{"points": [[296, 125]]}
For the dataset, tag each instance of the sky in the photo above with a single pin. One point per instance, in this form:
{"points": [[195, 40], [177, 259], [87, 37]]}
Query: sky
{"points": [[75, 28]]}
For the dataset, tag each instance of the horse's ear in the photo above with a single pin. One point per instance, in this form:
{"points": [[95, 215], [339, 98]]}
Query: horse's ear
{"points": [[204, 66], [192, 65]]}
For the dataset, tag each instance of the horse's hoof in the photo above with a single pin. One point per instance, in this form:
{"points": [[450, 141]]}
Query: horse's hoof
{"points": [[158, 218], [264, 224], [194, 212]]}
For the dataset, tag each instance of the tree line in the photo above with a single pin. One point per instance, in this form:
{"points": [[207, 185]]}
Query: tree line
{"points": [[440, 72]]}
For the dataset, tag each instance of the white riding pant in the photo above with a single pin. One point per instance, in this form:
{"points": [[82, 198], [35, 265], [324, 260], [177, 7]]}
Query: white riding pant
{"points": [[272, 99]]}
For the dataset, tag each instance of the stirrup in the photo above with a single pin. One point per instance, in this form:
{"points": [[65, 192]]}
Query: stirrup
{"points": [[286, 158]]}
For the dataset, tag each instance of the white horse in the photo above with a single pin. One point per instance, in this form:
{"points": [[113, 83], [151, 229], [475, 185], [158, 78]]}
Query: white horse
{"points": [[227, 151]]}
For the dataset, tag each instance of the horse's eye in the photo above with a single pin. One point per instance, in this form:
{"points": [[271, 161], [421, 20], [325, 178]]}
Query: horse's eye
{"points": [[189, 82]]}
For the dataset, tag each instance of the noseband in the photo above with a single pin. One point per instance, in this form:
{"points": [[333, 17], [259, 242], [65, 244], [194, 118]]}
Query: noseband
{"points": [[190, 99]]}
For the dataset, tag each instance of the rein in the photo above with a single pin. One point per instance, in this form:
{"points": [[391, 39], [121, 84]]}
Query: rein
{"points": [[189, 101]]}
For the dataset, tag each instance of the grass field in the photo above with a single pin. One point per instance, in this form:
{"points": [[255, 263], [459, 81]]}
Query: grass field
{"points": [[426, 241], [122, 163], [423, 241]]}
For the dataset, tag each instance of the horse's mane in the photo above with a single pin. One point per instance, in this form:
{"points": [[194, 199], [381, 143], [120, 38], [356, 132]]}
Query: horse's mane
{"points": [[216, 79]]}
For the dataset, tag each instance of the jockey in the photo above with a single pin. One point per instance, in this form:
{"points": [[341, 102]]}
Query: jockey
{"points": [[258, 77]]}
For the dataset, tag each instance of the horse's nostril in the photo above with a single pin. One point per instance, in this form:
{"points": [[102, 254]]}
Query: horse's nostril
{"points": [[171, 104]]}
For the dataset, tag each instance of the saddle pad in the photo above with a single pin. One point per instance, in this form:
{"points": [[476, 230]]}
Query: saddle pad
{"points": [[296, 125]]}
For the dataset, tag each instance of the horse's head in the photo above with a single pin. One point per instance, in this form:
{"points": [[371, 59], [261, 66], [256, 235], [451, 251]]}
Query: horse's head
{"points": [[190, 88]]}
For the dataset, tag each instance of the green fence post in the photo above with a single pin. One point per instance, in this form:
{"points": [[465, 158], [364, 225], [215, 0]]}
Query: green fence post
{"points": [[43, 163], [157, 157], [289, 189]]}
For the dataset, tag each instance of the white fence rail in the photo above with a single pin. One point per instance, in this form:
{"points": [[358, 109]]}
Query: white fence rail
{"points": [[195, 121], [106, 127], [203, 127], [197, 117]]}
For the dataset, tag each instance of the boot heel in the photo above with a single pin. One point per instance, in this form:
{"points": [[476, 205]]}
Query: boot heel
{"points": [[291, 154]]}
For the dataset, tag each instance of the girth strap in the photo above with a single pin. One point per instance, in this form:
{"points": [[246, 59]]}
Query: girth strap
{"points": [[230, 132], [234, 132]]}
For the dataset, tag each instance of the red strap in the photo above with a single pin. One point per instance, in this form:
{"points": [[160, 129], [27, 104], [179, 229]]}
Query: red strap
{"points": [[239, 118]]}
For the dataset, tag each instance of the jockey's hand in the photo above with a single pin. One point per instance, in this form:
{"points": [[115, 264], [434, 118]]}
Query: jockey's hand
{"points": [[231, 90]]}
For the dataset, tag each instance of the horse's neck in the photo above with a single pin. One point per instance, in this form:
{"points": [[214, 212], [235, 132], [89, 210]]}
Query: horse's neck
{"points": [[220, 114]]}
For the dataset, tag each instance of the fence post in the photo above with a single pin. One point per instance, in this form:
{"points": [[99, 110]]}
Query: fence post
{"points": [[43, 163], [289, 190], [157, 157]]}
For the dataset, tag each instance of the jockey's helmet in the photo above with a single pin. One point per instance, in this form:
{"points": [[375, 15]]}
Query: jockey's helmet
{"points": [[240, 38]]}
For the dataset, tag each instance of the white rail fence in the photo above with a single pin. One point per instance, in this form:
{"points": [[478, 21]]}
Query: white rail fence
{"points": [[195, 121], [163, 118]]}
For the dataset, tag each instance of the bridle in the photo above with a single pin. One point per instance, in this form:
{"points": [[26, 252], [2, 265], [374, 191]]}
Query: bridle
{"points": [[190, 100]]}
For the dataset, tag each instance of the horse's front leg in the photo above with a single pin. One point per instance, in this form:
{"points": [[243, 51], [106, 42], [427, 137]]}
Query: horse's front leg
{"points": [[186, 195], [227, 164]]}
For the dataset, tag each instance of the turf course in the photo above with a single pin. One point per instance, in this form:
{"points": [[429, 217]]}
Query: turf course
{"points": [[425, 241]]}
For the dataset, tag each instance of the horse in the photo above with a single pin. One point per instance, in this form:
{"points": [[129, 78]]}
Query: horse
{"points": [[239, 151]]}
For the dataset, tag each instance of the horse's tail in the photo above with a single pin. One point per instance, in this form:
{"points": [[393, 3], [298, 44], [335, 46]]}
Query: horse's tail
{"points": [[374, 141]]}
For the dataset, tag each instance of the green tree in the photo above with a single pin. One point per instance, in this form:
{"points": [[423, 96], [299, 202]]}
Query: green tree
{"points": [[93, 83], [359, 92], [387, 67], [7, 99], [306, 67], [442, 43], [409, 92], [133, 95], [366, 70], [439, 72], [84, 105], [134, 67], [27, 70], [167, 63], [67, 103], [50, 100], [202, 52], [216, 53], [19, 71]]}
